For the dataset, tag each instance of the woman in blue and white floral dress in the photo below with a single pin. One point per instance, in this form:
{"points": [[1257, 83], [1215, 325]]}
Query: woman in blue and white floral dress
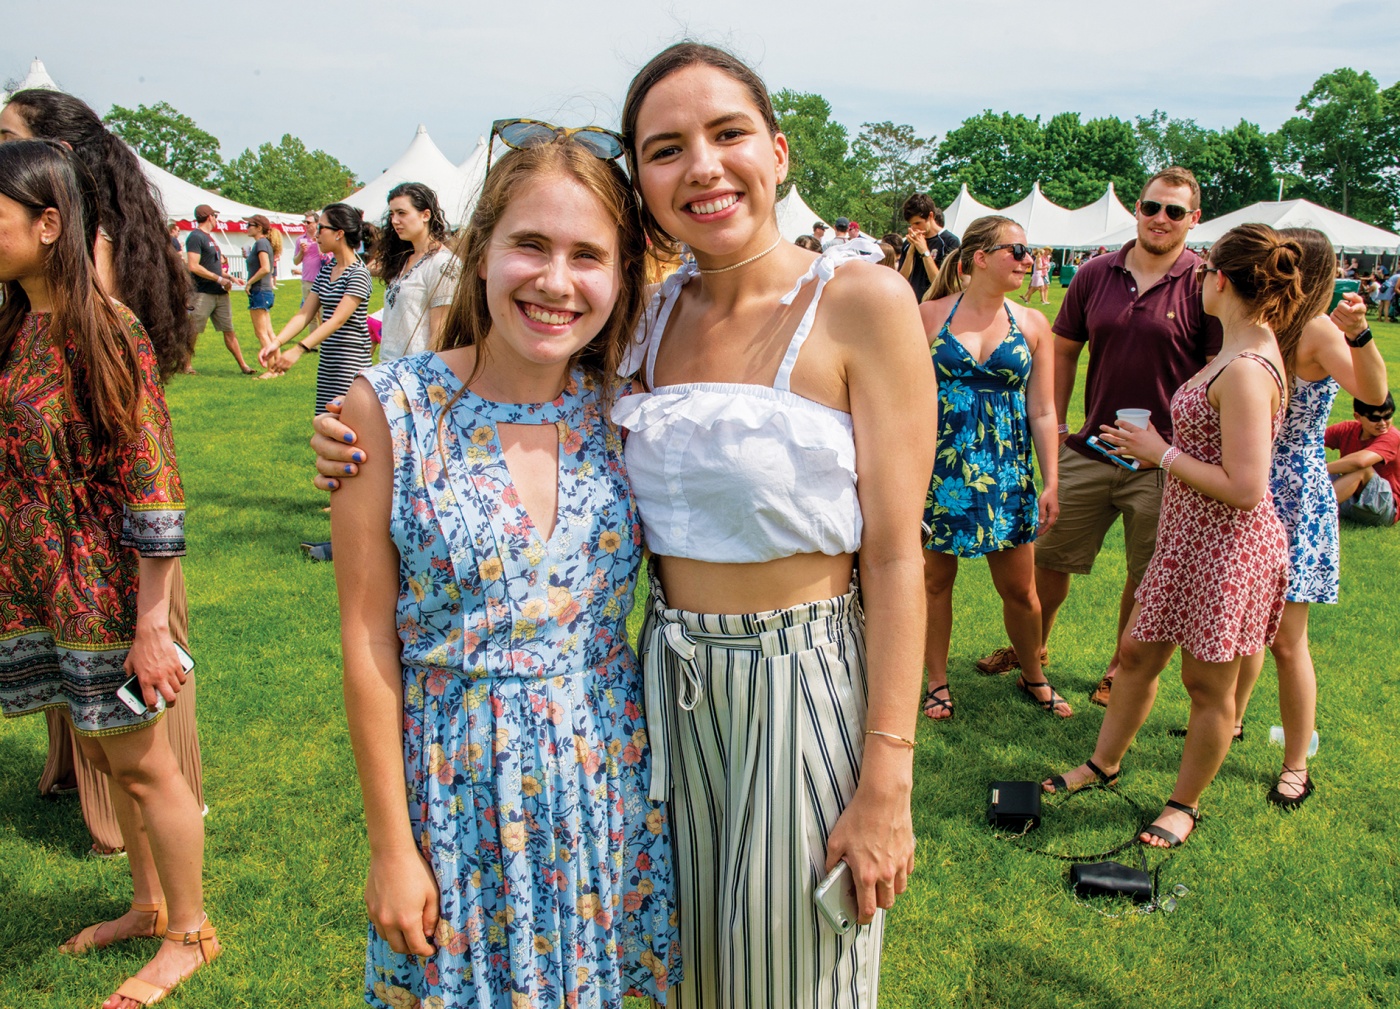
{"points": [[486, 559], [1306, 504], [995, 369]]}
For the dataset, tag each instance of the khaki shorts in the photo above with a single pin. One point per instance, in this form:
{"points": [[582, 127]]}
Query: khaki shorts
{"points": [[1092, 495], [204, 307]]}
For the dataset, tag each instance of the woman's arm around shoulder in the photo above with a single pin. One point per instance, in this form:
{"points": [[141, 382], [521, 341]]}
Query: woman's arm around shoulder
{"points": [[894, 411], [401, 891]]}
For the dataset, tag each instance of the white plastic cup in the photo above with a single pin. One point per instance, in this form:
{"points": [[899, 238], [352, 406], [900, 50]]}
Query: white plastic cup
{"points": [[1137, 418], [1276, 737]]}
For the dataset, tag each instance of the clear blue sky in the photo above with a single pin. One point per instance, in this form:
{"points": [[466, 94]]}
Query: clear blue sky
{"points": [[355, 78]]}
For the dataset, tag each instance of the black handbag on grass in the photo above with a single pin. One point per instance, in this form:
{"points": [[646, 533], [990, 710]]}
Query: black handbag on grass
{"points": [[1112, 879]]}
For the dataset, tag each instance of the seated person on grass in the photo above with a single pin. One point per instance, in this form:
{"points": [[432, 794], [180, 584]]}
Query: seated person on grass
{"points": [[1367, 476]]}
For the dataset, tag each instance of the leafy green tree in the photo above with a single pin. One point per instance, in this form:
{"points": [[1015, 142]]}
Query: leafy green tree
{"points": [[897, 163], [817, 145], [1235, 167], [997, 155], [167, 137], [1341, 150], [1079, 160], [286, 177]]}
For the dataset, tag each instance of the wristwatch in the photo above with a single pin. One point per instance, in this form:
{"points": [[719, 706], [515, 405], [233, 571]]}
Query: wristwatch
{"points": [[1362, 338]]}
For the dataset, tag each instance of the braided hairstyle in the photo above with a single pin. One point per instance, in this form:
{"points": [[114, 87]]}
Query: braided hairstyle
{"points": [[151, 277]]}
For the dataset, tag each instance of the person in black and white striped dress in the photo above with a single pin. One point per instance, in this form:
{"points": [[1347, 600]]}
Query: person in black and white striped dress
{"points": [[338, 299]]}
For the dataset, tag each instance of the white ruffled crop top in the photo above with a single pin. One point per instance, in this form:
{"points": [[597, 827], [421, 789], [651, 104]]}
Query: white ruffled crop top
{"points": [[738, 473]]}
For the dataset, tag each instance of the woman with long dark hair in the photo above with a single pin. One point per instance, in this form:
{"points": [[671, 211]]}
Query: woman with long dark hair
{"points": [[418, 268], [89, 461], [138, 266], [1215, 586], [1325, 360]]}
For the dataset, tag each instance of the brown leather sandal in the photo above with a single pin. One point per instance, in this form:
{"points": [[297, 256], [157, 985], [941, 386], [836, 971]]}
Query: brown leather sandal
{"points": [[87, 939], [144, 993]]}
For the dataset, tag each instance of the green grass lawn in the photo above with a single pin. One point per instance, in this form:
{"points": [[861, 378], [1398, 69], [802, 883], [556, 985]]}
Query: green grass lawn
{"points": [[1283, 910]]}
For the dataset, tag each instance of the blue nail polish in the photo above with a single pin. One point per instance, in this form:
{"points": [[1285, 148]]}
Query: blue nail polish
{"points": [[349, 438], [334, 484], [358, 457], [347, 468]]}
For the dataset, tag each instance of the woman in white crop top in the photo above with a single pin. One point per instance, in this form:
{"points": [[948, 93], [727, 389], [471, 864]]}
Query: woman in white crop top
{"points": [[778, 436]]}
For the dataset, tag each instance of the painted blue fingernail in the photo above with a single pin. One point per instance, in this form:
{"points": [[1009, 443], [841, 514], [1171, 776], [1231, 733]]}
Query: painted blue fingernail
{"points": [[347, 468], [349, 437], [334, 484], [357, 456]]}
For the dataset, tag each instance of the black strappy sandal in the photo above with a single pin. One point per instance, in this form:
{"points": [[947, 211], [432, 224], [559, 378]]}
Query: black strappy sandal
{"points": [[1166, 835], [1237, 736], [932, 700], [1061, 786], [1291, 801], [1047, 705]]}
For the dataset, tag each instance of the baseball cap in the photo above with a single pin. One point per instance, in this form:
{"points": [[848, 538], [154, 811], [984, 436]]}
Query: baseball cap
{"points": [[842, 224], [260, 220], [818, 224], [203, 212], [852, 224]]}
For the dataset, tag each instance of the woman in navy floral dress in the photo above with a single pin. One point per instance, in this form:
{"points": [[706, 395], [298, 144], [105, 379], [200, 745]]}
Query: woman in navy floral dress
{"points": [[995, 397], [495, 706], [1305, 501]]}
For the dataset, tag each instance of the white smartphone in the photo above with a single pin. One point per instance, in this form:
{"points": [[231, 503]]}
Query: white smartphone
{"points": [[836, 898], [129, 693]]}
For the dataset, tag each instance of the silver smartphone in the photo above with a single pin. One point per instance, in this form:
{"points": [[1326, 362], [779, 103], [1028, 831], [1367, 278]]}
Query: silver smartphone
{"points": [[129, 693], [836, 898]]}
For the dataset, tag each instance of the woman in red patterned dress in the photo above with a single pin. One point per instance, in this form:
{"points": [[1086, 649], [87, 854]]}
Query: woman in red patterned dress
{"points": [[1216, 583], [94, 519]]}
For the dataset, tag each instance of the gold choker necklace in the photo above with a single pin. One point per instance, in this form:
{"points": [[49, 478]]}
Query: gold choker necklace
{"points": [[751, 259]]}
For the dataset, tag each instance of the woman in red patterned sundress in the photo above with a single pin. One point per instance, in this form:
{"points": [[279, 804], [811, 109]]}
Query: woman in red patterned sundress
{"points": [[1216, 583], [94, 517]]}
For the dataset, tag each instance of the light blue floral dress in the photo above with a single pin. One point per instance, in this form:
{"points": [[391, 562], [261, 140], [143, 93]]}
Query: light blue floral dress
{"points": [[982, 497], [526, 752], [1303, 495]]}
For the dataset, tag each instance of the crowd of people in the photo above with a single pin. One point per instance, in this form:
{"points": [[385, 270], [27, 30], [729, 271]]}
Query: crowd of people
{"points": [[551, 818]]}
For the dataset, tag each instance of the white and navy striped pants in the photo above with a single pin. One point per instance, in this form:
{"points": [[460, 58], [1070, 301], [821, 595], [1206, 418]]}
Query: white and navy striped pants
{"points": [[756, 725]]}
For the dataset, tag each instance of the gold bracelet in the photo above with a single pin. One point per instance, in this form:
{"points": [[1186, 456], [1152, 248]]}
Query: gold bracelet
{"points": [[890, 735]]}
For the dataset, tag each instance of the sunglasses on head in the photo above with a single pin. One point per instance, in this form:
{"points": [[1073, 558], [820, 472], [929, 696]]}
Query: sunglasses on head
{"points": [[1018, 250], [525, 133], [1151, 208]]}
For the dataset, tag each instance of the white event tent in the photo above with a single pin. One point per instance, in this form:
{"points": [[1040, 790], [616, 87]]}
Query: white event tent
{"points": [[795, 218], [473, 171], [963, 211], [1347, 234], [179, 198], [38, 77], [421, 162]]}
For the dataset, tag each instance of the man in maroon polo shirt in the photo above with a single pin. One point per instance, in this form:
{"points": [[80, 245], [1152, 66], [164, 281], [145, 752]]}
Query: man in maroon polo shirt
{"points": [[1139, 310]]}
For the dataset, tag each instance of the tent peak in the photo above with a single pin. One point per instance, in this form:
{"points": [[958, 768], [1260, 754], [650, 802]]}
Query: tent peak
{"points": [[421, 129]]}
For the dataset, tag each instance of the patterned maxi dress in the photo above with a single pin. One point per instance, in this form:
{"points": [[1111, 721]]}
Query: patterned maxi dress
{"points": [[75, 519], [1217, 579], [982, 496], [526, 754], [1303, 495]]}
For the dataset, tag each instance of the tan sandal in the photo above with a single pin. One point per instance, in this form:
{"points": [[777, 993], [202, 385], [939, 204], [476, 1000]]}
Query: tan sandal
{"points": [[87, 939], [144, 993]]}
